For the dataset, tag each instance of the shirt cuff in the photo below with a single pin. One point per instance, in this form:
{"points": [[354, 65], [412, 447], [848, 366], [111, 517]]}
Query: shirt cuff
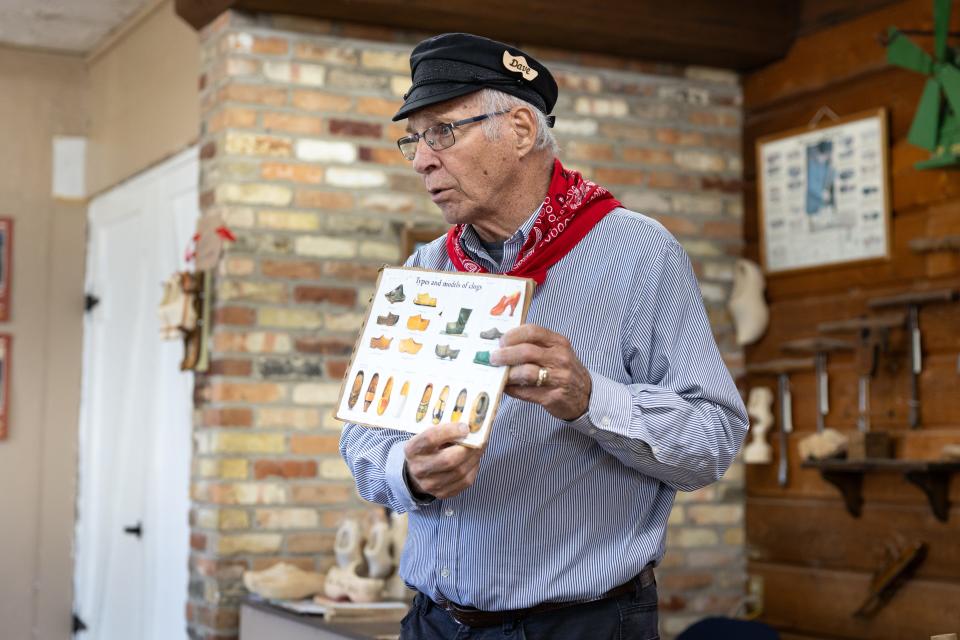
{"points": [[610, 412], [397, 479]]}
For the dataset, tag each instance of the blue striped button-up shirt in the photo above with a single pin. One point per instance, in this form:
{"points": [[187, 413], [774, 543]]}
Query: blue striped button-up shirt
{"points": [[564, 511]]}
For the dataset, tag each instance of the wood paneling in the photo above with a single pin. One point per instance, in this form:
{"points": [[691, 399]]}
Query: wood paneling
{"points": [[817, 559], [736, 34], [821, 601]]}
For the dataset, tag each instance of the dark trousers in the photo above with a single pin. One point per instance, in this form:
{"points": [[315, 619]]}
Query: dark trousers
{"points": [[628, 617]]}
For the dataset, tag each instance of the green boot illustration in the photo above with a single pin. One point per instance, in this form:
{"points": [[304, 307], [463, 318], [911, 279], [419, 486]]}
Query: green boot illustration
{"points": [[456, 328]]}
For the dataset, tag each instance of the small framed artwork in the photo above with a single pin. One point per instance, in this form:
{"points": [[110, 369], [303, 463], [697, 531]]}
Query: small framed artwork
{"points": [[822, 194], [413, 238], [6, 252], [5, 340]]}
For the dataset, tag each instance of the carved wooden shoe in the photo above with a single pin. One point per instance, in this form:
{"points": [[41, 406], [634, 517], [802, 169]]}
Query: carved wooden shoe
{"points": [[441, 405], [385, 397], [480, 406], [355, 390], [482, 357], [424, 300], [382, 343], [459, 406], [444, 351], [404, 392], [377, 551], [283, 581], [371, 391], [424, 402], [409, 345], [491, 334], [388, 320], [417, 323], [396, 295]]}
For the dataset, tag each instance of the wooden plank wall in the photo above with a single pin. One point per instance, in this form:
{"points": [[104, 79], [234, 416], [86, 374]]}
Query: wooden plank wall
{"points": [[816, 560]]}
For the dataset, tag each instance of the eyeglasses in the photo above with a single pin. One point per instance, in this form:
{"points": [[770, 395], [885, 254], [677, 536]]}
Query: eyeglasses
{"points": [[439, 136]]}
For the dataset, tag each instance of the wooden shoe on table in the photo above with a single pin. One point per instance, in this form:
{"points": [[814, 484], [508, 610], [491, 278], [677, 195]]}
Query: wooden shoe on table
{"points": [[385, 397]]}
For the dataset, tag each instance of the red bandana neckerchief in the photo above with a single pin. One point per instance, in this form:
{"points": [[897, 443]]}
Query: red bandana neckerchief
{"points": [[572, 207]]}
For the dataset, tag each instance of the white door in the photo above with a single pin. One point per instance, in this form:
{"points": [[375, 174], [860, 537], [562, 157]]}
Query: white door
{"points": [[132, 533]]}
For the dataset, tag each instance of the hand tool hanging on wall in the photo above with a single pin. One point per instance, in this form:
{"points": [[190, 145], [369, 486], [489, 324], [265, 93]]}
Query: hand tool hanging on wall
{"points": [[874, 332], [782, 369], [820, 348], [902, 562], [913, 300]]}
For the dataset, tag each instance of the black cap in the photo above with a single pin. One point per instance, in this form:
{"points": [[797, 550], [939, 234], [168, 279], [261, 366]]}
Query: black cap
{"points": [[454, 64]]}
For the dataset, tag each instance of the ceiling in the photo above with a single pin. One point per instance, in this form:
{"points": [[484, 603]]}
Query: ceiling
{"points": [[74, 26]]}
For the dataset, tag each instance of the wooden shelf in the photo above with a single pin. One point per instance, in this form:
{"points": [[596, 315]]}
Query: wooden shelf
{"points": [[931, 477]]}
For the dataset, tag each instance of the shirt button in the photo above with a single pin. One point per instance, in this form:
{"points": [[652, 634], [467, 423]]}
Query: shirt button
{"points": [[448, 512], [445, 573], [605, 421], [592, 431]]}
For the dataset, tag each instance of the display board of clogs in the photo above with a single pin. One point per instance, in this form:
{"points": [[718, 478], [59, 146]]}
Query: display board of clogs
{"points": [[423, 356]]}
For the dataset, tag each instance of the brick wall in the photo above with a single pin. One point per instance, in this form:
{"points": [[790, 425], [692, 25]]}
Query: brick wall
{"points": [[298, 156]]}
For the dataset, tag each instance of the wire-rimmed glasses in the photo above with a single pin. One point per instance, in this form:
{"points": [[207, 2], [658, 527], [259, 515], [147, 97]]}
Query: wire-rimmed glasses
{"points": [[439, 136]]}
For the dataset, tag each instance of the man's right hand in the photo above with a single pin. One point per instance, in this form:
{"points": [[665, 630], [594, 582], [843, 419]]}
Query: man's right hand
{"points": [[438, 465]]}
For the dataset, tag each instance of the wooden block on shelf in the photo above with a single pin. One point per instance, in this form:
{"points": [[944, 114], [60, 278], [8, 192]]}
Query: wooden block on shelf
{"points": [[870, 446]]}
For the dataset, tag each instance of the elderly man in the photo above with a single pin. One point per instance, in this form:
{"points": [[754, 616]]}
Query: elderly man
{"points": [[616, 398]]}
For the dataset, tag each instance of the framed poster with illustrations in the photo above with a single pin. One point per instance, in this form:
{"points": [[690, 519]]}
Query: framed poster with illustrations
{"points": [[6, 262], [822, 194], [5, 340]]}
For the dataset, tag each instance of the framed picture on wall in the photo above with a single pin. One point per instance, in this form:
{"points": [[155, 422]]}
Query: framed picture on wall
{"points": [[822, 194], [5, 340], [6, 250]]}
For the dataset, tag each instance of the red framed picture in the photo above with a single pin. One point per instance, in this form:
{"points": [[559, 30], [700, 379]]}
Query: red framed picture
{"points": [[5, 340], [6, 249]]}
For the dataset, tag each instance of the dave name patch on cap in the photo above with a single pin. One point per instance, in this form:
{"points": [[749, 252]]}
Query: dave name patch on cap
{"points": [[452, 65], [519, 65]]}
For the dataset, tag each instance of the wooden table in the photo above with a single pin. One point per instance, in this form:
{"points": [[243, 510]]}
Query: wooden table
{"points": [[261, 620]]}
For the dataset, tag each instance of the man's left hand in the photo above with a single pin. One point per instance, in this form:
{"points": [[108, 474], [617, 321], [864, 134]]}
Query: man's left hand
{"points": [[538, 354]]}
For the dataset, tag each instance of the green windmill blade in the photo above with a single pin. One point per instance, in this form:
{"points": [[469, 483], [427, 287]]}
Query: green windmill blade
{"points": [[926, 122], [904, 53], [949, 78], [941, 25]]}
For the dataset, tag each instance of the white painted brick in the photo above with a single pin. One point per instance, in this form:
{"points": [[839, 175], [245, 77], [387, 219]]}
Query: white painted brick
{"points": [[295, 73], [344, 321], [601, 107], [399, 85], [325, 247], [239, 41], [708, 74], [239, 217], [646, 202], [697, 204], [568, 127], [324, 151], [698, 161], [253, 193], [701, 248], [355, 178], [388, 252], [388, 202], [335, 469], [316, 393]]}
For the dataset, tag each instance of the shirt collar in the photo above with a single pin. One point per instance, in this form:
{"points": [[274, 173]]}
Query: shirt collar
{"points": [[471, 240]]}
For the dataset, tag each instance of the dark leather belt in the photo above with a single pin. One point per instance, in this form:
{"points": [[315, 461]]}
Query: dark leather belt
{"points": [[477, 618]]}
